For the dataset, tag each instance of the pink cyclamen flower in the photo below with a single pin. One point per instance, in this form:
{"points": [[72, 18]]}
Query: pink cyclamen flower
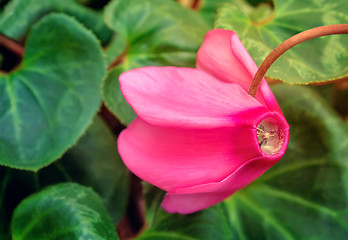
{"points": [[199, 135]]}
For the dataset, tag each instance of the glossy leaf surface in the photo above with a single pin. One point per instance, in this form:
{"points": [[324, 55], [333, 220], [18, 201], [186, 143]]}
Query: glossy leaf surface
{"points": [[114, 98], [50, 99], [207, 8], [157, 33], [212, 223], [20, 15], [64, 211], [263, 28], [93, 162]]}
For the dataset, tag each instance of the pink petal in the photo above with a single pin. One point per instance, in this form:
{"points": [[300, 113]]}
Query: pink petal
{"points": [[190, 203], [223, 55], [179, 158], [196, 198], [240, 178], [171, 96], [247, 172]]}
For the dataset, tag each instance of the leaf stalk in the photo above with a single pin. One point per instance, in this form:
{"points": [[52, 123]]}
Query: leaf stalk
{"points": [[11, 45]]}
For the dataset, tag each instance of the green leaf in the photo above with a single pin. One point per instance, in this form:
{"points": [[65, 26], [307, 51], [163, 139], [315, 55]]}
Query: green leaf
{"points": [[49, 101], [212, 223], [20, 15], [114, 51], [207, 9], [339, 99], [305, 195], [153, 198], [209, 224], [114, 99], [261, 30], [327, 92], [12, 191], [64, 211], [156, 33], [258, 2], [93, 162]]}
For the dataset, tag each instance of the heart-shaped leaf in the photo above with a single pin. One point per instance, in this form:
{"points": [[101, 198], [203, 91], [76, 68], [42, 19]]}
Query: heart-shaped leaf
{"points": [[93, 162], [209, 224], [13, 25], [207, 9], [305, 195], [64, 211], [261, 29], [212, 223], [156, 32], [49, 101]]}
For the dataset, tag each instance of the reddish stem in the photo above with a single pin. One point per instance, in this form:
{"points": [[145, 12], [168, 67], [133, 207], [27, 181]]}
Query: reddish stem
{"points": [[196, 4], [289, 43], [11, 45], [118, 60]]}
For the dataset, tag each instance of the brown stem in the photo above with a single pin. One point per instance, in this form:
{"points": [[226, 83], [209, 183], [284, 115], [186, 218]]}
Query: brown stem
{"points": [[192, 4], [11, 45], [196, 4], [119, 59], [289, 43]]}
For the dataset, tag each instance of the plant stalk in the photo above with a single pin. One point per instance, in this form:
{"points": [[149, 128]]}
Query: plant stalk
{"points": [[288, 44], [11, 45]]}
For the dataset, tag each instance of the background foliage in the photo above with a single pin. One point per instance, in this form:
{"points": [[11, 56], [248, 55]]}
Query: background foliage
{"points": [[61, 110]]}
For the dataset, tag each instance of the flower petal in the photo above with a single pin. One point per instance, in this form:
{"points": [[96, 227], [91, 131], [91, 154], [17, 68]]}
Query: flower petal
{"points": [[171, 96], [196, 198], [247, 172], [223, 55], [178, 158], [244, 175], [190, 203]]}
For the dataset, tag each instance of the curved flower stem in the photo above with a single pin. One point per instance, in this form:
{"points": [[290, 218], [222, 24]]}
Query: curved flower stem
{"points": [[11, 45], [289, 43]]}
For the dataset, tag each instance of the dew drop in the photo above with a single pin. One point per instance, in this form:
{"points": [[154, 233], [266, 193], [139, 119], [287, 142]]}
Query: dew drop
{"points": [[270, 136]]}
